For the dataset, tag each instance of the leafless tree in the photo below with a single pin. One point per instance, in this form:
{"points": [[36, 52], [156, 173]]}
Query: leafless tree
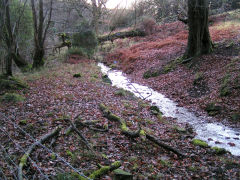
{"points": [[41, 23], [9, 34]]}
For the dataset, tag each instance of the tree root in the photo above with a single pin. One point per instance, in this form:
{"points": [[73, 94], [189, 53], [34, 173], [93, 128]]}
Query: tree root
{"points": [[112, 117], [24, 158]]}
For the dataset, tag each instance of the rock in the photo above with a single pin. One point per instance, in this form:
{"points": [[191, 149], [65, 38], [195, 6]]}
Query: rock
{"points": [[212, 109], [180, 130], [235, 117], [78, 75], [219, 151], [120, 174], [155, 110], [106, 79]]}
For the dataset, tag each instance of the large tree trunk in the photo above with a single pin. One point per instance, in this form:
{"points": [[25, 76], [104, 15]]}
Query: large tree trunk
{"points": [[199, 41], [8, 62], [38, 58]]}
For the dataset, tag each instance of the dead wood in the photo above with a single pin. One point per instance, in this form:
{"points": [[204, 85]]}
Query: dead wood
{"points": [[24, 158], [109, 115], [121, 35]]}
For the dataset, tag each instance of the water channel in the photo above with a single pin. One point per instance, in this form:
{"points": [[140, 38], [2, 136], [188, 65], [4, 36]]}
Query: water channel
{"points": [[210, 132]]}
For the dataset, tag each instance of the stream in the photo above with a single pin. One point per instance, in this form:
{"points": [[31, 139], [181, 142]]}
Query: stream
{"points": [[210, 132]]}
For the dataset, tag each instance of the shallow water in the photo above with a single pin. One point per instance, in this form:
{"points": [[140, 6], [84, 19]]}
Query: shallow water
{"points": [[209, 132]]}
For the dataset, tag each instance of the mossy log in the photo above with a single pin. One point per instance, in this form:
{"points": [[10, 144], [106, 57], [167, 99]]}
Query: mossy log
{"points": [[121, 35], [24, 158], [104, 170], [112, 117]]}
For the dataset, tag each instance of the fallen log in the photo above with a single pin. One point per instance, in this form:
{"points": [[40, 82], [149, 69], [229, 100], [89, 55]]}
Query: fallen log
{"points": [[24, 158], [121, 35], [112, 117], [104, 170]]}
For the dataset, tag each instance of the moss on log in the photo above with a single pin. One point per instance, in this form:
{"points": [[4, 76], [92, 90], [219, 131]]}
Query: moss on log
{"points": [[104, 170], [139, 133], [121, 35]]}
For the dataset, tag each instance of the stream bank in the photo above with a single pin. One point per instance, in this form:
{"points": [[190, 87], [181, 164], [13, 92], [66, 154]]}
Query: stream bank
{"points": [[215, 134]]}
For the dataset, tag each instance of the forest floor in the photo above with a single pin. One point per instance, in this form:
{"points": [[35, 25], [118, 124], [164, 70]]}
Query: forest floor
{"points": [[209, 80], [54, 95]]}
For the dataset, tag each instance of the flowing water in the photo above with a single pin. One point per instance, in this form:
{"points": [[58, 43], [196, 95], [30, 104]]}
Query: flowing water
{"points": [[209, 132]]}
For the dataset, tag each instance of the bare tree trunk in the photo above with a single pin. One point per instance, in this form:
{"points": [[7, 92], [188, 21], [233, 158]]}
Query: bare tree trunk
{"points": [[9, 37], [199, 40], [40, 32], [8, 62], [95, 16]]}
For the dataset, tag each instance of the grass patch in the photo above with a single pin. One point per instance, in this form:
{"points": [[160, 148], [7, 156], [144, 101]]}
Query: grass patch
{"points": [[225, 88], [120, 92], [11, 83], [76, 51]]}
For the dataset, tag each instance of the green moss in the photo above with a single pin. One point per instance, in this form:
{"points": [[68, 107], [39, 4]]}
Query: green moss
{"points": [[151, 73], [68, 132], [225, 88], [142, 133], [149, 121], [120, 92], [104, 156], [218, 150], [213, 109], [122, 172], [12, 97], [235, 116], [198, 77], [193, 168], [23, 159], [76, 51], [69, 153], [105, 126], [11, 83], [98, 173], [106, 79], [179, 129], [198, 142], [53, 156], [165, 163], [113, 117], [23, 122], [104, 170], [124, 126]]}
